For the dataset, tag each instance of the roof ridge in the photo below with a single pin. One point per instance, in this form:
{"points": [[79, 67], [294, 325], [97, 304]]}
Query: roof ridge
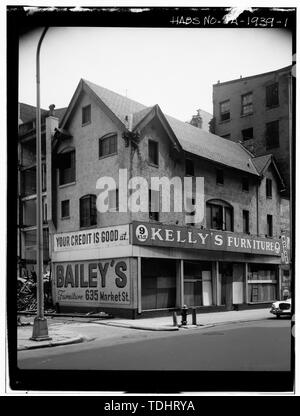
{"points": [[191, 138], [113, 92]]}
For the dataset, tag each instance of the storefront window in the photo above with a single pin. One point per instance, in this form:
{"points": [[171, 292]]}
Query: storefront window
{"points": [[158, 284], [262, 283], [197, 284]]}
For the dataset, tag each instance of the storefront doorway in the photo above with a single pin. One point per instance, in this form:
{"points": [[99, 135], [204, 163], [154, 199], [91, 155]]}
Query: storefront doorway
{"points": [[158, 283], [225, 281]]}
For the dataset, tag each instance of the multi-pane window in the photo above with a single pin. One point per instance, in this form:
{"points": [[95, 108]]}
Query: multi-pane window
{"points": [[219, 177], [245, 184], [225, 110], [269, 188], [153, 205], [272, 134], [108, 145], [272, 97], [65, 208], [66, 166], [153, 152], [219, 215], [247, 134], [87, 210], [245, 221], [247, 105], [189, 167], [269, 225], [86, 114]]}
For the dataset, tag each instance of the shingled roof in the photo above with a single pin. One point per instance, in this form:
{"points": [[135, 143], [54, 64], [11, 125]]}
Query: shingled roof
{"points": [[260, 162], [28, 112], [191, 139]]}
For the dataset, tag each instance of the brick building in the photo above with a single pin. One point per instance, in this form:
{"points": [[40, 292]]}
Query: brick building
{"points": [[131, 263], [257, 111], [27, 187]]}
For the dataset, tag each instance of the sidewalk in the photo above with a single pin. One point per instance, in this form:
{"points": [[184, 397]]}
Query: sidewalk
{"points": [[70, 332]]}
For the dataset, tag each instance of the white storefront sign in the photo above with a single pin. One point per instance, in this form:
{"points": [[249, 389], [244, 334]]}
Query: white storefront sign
{"points": [[94, 238]]}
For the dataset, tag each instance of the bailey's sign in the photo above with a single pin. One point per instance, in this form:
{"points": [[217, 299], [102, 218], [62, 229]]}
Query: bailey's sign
{"points": [[93, 282], [182, 237], [94, 238]]}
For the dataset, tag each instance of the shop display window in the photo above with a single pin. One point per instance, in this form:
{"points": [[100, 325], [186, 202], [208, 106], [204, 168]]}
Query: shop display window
{"points": [[262, 283], [158, 284], [197, 284]]}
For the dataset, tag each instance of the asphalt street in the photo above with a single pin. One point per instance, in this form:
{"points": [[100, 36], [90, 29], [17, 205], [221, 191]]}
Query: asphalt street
{"points": [[253, 346]]}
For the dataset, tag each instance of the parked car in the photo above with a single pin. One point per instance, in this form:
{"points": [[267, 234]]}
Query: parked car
{"points": [[282, 307]]}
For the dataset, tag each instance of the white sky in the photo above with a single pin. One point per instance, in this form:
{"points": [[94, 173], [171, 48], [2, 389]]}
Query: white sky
{"points": [[172, 67]]}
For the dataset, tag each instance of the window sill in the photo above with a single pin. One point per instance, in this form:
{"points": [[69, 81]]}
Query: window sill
{"points": [[246, 115], [105, 156], [87, 227], [65, 185], [65, 218], [152, 164], [86, 124], [270, 107], [155, 221], [224, 121]]}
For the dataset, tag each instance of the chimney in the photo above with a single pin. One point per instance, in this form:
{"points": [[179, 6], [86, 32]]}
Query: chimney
{"points": [[197, 120], [129, 120], [51, 110]]}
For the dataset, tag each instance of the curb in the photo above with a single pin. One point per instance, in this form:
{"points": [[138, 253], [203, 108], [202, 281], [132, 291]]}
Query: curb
{"points": [[147, 328], [176, 328], [75, 340]]}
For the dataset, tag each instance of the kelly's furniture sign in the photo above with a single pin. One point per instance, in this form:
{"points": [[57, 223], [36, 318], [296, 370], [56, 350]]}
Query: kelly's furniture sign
{"points": [[93, 282], [173, 236], [95, 238]]}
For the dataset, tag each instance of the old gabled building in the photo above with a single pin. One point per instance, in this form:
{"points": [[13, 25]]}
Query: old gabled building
{"points": [[130, 262]]}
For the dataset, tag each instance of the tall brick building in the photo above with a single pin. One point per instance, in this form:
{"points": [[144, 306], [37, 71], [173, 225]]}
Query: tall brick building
{"points": [[132, 263], [256, 111]]}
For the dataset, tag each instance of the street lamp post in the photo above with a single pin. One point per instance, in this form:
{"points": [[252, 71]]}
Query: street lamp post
{"points": [[40, 327]]}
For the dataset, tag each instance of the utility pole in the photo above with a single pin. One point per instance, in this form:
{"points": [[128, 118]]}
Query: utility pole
{"points": [[40, 327]]}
